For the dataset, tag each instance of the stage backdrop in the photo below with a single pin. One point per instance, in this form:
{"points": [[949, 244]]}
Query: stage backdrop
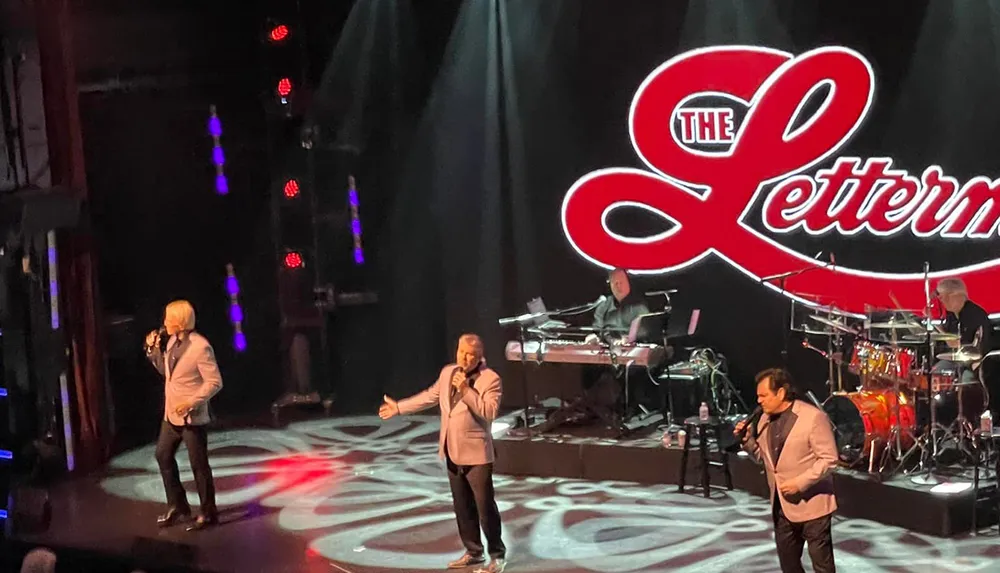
{"points": [[501, 192]]}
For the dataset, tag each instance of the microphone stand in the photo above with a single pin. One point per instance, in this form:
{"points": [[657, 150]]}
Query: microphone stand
{"points": [[781, 278], [522, 322]]}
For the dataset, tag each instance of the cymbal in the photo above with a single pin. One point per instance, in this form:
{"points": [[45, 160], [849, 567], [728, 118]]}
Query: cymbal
{"points": [[935, 337], [960, 356], [884, 340], [833, 324], [807, 330], [896, 325]]}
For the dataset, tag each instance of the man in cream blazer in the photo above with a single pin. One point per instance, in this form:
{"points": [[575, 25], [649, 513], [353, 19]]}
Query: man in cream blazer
{"points": [[794, 440], [468, 394], [191, 378]]}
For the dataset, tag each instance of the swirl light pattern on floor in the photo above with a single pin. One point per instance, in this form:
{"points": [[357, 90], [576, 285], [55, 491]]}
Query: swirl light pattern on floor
{"points": [[374, 495]]}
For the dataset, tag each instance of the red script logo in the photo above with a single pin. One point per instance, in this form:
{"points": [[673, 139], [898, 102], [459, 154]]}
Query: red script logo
{"points": [[717, 126]]}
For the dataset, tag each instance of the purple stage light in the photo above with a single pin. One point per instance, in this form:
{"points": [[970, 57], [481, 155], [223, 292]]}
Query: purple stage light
{"points": [[221, 184], [239, 342], [235, 313], [214, 127]]}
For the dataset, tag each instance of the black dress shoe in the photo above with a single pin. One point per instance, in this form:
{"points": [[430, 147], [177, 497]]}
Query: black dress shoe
{"points": [[466, 560], [172, 516], [203, 522]]}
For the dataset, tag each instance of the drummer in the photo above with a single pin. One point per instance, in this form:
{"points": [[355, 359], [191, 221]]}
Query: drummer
{"points": [[965, 318]]}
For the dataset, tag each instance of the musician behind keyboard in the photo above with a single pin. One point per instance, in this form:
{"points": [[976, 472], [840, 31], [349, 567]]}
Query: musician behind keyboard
{"points": [[614, 318], [614, 315]]}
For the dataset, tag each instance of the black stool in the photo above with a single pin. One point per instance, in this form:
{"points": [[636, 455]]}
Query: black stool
{"points": [[703, 427]]}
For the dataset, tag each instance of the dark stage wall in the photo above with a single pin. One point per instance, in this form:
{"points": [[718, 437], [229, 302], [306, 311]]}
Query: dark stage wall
{"points": [[530, 96]]}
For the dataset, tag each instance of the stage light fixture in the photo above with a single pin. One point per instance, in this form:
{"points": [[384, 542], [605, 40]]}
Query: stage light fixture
{"points": [[284, 89], [218, 156], [354, 204], [291, 189], [279, 33], [293, 260], [235, 310]]}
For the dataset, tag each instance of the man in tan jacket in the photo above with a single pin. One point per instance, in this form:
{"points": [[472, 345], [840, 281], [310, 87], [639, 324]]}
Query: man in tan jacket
{"points": [[191, 378], [794, 440], [469, 396]]}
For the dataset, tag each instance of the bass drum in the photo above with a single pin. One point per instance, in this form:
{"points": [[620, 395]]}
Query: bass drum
{"points": [[863, 422]]}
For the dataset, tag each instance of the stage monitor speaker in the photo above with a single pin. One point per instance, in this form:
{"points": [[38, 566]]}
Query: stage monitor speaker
{"points": [[35, 210]]}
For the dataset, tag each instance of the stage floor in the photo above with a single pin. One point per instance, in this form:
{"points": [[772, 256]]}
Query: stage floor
{"points": [[353, 494]]}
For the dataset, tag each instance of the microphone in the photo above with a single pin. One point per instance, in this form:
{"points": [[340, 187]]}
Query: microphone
{"points": [[659, 292], [751, 422]]}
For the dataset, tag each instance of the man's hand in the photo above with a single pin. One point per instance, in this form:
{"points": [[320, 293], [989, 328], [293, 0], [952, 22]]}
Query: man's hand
{"points": [[184, 408], [388, 409], [739, 427], [788, 488], [954, 344], [592, 339], [458, 380]]}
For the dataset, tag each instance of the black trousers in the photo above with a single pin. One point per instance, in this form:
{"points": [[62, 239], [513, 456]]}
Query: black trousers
{"points": [[790, 537], [475, 506], [195, 438]]}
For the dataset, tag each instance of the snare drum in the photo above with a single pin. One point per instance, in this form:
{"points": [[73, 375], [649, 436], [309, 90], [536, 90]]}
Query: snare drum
{"points": [[864, 420]]}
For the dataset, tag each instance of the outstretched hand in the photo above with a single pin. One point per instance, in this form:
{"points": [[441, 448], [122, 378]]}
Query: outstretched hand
{"points": [[388, 409]]}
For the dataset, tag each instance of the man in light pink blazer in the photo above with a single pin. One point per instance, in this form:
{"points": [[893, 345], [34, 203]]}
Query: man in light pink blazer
{"points": [[794, 440], [468, 394], [191, 378]]}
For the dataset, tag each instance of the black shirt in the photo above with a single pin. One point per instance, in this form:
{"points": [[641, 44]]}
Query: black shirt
{"points": [[614, 315], [777, 431], [974, 322]]}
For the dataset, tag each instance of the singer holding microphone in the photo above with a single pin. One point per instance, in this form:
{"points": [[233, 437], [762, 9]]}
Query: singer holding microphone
{"points": [[468, 394], [794, 440], [191, 378]]}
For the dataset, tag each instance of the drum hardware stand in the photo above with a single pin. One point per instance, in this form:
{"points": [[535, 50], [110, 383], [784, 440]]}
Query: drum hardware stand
{"points": [[894, 449], [928, 463], [781, 278]]}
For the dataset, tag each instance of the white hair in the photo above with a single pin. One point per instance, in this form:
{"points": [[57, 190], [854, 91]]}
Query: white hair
{"points": [[953, 285]]}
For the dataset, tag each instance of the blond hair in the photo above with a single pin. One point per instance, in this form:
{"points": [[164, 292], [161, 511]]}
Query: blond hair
{"points": [[472, 339], [182, 312]]}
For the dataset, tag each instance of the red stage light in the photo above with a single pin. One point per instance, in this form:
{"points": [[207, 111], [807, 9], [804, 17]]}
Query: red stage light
{"points": [[291, 189], [284, 87], [293, 260], [278, 33]]}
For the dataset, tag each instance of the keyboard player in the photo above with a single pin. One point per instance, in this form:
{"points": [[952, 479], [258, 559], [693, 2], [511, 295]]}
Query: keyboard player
{"points": [[615, 314], [613, 317]]}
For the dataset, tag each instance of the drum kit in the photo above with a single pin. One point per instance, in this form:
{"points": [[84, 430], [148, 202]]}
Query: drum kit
{"points": [[912, 401]]}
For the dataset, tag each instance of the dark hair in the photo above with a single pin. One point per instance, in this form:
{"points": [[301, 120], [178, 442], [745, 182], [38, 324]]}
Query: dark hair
{"points": [[778, 378]]}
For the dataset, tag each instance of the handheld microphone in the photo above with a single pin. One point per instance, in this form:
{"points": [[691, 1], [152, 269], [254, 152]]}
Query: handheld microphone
{"points": [[751, 422]]}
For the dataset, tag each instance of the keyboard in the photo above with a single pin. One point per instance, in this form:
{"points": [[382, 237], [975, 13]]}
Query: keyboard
{"points": [[574, 352]]}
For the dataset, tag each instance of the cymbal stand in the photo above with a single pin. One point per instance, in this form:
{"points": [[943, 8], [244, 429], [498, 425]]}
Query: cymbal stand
{"points": [[929, 458]]}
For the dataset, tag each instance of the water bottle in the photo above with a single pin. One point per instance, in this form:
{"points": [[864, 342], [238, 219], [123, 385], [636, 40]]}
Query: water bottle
{"points": [[986, 423], [703, 412]]}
